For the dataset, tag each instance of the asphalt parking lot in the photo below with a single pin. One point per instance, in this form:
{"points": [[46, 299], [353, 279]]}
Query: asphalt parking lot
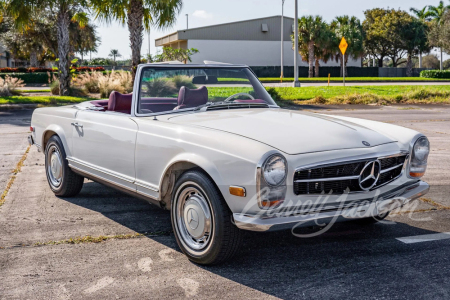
{"points": [[349, 261]]}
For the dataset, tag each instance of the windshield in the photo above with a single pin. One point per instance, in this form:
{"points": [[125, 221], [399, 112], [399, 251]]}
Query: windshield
{"points": [[164, 89]]}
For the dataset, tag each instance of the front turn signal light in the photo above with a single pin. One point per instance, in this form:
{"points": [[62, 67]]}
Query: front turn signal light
{"points": [[237, 191]]}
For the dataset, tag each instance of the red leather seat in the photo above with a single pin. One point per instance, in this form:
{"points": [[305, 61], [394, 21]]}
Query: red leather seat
{"points": [[188, 98], [120, 102]]}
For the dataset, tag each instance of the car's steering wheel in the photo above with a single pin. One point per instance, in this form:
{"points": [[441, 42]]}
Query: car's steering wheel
{"points": [[239, 94]]}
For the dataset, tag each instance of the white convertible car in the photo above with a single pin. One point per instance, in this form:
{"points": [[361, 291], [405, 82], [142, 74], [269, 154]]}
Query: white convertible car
{"points": [[208, 143]]}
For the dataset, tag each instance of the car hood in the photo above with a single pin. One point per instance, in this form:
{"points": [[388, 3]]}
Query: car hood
{"points": [[292, 132]]}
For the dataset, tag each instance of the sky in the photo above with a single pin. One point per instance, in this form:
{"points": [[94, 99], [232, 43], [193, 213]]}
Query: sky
{"points": [[211, 12]]}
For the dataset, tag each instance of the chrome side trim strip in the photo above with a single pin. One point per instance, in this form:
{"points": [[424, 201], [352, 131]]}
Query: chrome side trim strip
{"points": [[329, 179], [104, 179], [146, 185], [99, 169], [392, 168]]}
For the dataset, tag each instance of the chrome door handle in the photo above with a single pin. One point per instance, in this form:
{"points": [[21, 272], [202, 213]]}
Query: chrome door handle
{"points": [[77, 125]]}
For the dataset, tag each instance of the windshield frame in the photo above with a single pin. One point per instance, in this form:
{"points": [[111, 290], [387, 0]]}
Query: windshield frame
{"points": [[143, 67]]}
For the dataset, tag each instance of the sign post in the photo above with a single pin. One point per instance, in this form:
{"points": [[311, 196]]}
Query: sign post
{"points": [[343, 46]]}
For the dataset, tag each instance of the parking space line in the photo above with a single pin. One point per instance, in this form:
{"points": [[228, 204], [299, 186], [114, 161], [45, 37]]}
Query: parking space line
{"points": [[425, 238]]}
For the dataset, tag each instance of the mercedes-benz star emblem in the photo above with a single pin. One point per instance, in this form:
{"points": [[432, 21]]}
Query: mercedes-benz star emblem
{"points": [[366, 143], [369, 175], [193, 219]]}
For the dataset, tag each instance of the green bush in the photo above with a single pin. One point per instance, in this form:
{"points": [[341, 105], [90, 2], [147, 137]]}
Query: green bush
{"points": [[435, 74], [28, 77]]}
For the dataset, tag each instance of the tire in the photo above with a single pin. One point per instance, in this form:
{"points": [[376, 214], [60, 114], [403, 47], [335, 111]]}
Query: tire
{"points": [[61, 179], [202, 221], [372, 220]]}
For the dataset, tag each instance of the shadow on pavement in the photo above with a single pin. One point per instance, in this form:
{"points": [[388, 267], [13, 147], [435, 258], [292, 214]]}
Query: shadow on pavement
{"points": [[350, 260]]}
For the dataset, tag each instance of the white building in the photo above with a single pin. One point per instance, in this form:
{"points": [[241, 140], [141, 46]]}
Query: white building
{"points": [[254, 42]]}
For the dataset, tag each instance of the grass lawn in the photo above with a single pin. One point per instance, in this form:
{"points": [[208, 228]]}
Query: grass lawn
{"points": [[350, 95], [350, 79], [44, 100], [336, 79], [36, 91]]}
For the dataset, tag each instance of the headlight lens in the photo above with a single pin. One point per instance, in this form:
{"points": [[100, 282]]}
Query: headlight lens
{"points": [[419, 157], [275, 170]]}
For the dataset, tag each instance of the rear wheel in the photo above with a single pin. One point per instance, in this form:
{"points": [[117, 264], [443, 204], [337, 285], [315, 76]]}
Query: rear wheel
{"points": [[201, 220], [61, 179]]}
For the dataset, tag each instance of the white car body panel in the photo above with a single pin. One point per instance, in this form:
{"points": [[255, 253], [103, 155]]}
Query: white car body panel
{"points": [[105, 146], [292, 132]]}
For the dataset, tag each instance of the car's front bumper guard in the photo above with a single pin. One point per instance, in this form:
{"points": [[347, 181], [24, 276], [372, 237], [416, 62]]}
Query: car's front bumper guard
{"points": [[387, 202]]}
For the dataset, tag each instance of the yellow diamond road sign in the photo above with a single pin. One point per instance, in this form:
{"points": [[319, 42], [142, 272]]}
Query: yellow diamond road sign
{"points": [[343, 45]]}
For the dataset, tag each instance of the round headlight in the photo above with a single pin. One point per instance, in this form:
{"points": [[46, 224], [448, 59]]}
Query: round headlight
{"points": [[275, 170], [421, 149], [419, 157]]}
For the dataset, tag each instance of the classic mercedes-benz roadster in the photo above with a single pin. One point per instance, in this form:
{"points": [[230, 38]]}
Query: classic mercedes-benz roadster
{"points": [[208, 143]]}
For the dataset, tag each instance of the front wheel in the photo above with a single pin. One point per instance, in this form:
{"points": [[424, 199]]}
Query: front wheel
{"points": [[61, 179], [201, 220]]}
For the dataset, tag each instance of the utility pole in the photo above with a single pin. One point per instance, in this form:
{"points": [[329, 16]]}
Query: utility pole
{"points": [[296, 82], [282, 40], [187, 21]]}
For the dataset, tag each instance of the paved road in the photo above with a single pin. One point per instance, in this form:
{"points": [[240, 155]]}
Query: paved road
{"points": [[349, 261], [14, 127]]}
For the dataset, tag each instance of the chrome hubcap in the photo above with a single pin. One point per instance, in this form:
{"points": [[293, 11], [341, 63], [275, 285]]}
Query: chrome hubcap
{"points": [[54, 166], [193, 217]]}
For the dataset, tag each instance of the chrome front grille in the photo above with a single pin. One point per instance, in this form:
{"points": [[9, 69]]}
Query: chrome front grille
{"points": [[341, 177]]}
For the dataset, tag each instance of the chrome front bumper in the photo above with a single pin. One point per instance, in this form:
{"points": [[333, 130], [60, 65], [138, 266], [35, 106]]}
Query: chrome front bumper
{"points": [[385, 203]]}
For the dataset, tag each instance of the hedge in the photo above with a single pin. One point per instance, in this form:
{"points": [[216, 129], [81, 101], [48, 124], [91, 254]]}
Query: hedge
{"points": [[435, 74], [45, 70], [28, 77], [37, 77]]}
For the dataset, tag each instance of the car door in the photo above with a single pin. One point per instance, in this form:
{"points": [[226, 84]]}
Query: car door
{"points": [[104, 146]]}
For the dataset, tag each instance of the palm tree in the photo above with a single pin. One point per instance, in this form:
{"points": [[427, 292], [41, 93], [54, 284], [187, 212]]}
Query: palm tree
{"points": [[351, 29], [114, 53], [423, 15], [437, 13], [63, 11], [310, 31], [139, 15]]}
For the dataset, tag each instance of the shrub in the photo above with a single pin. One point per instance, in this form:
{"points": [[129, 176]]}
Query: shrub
{"points": [[88, 81], [104, 83], [9, 85], [160, 88], [273, 93], [54, 87], [39, 70], [119, 81], [435, 74], [183, 80]]}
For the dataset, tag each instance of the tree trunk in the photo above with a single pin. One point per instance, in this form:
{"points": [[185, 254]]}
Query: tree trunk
{"points": [[62, 28], [316, 68], [311, 59], [409, 66], [380, 62], [135, 18], [33, 58]]}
